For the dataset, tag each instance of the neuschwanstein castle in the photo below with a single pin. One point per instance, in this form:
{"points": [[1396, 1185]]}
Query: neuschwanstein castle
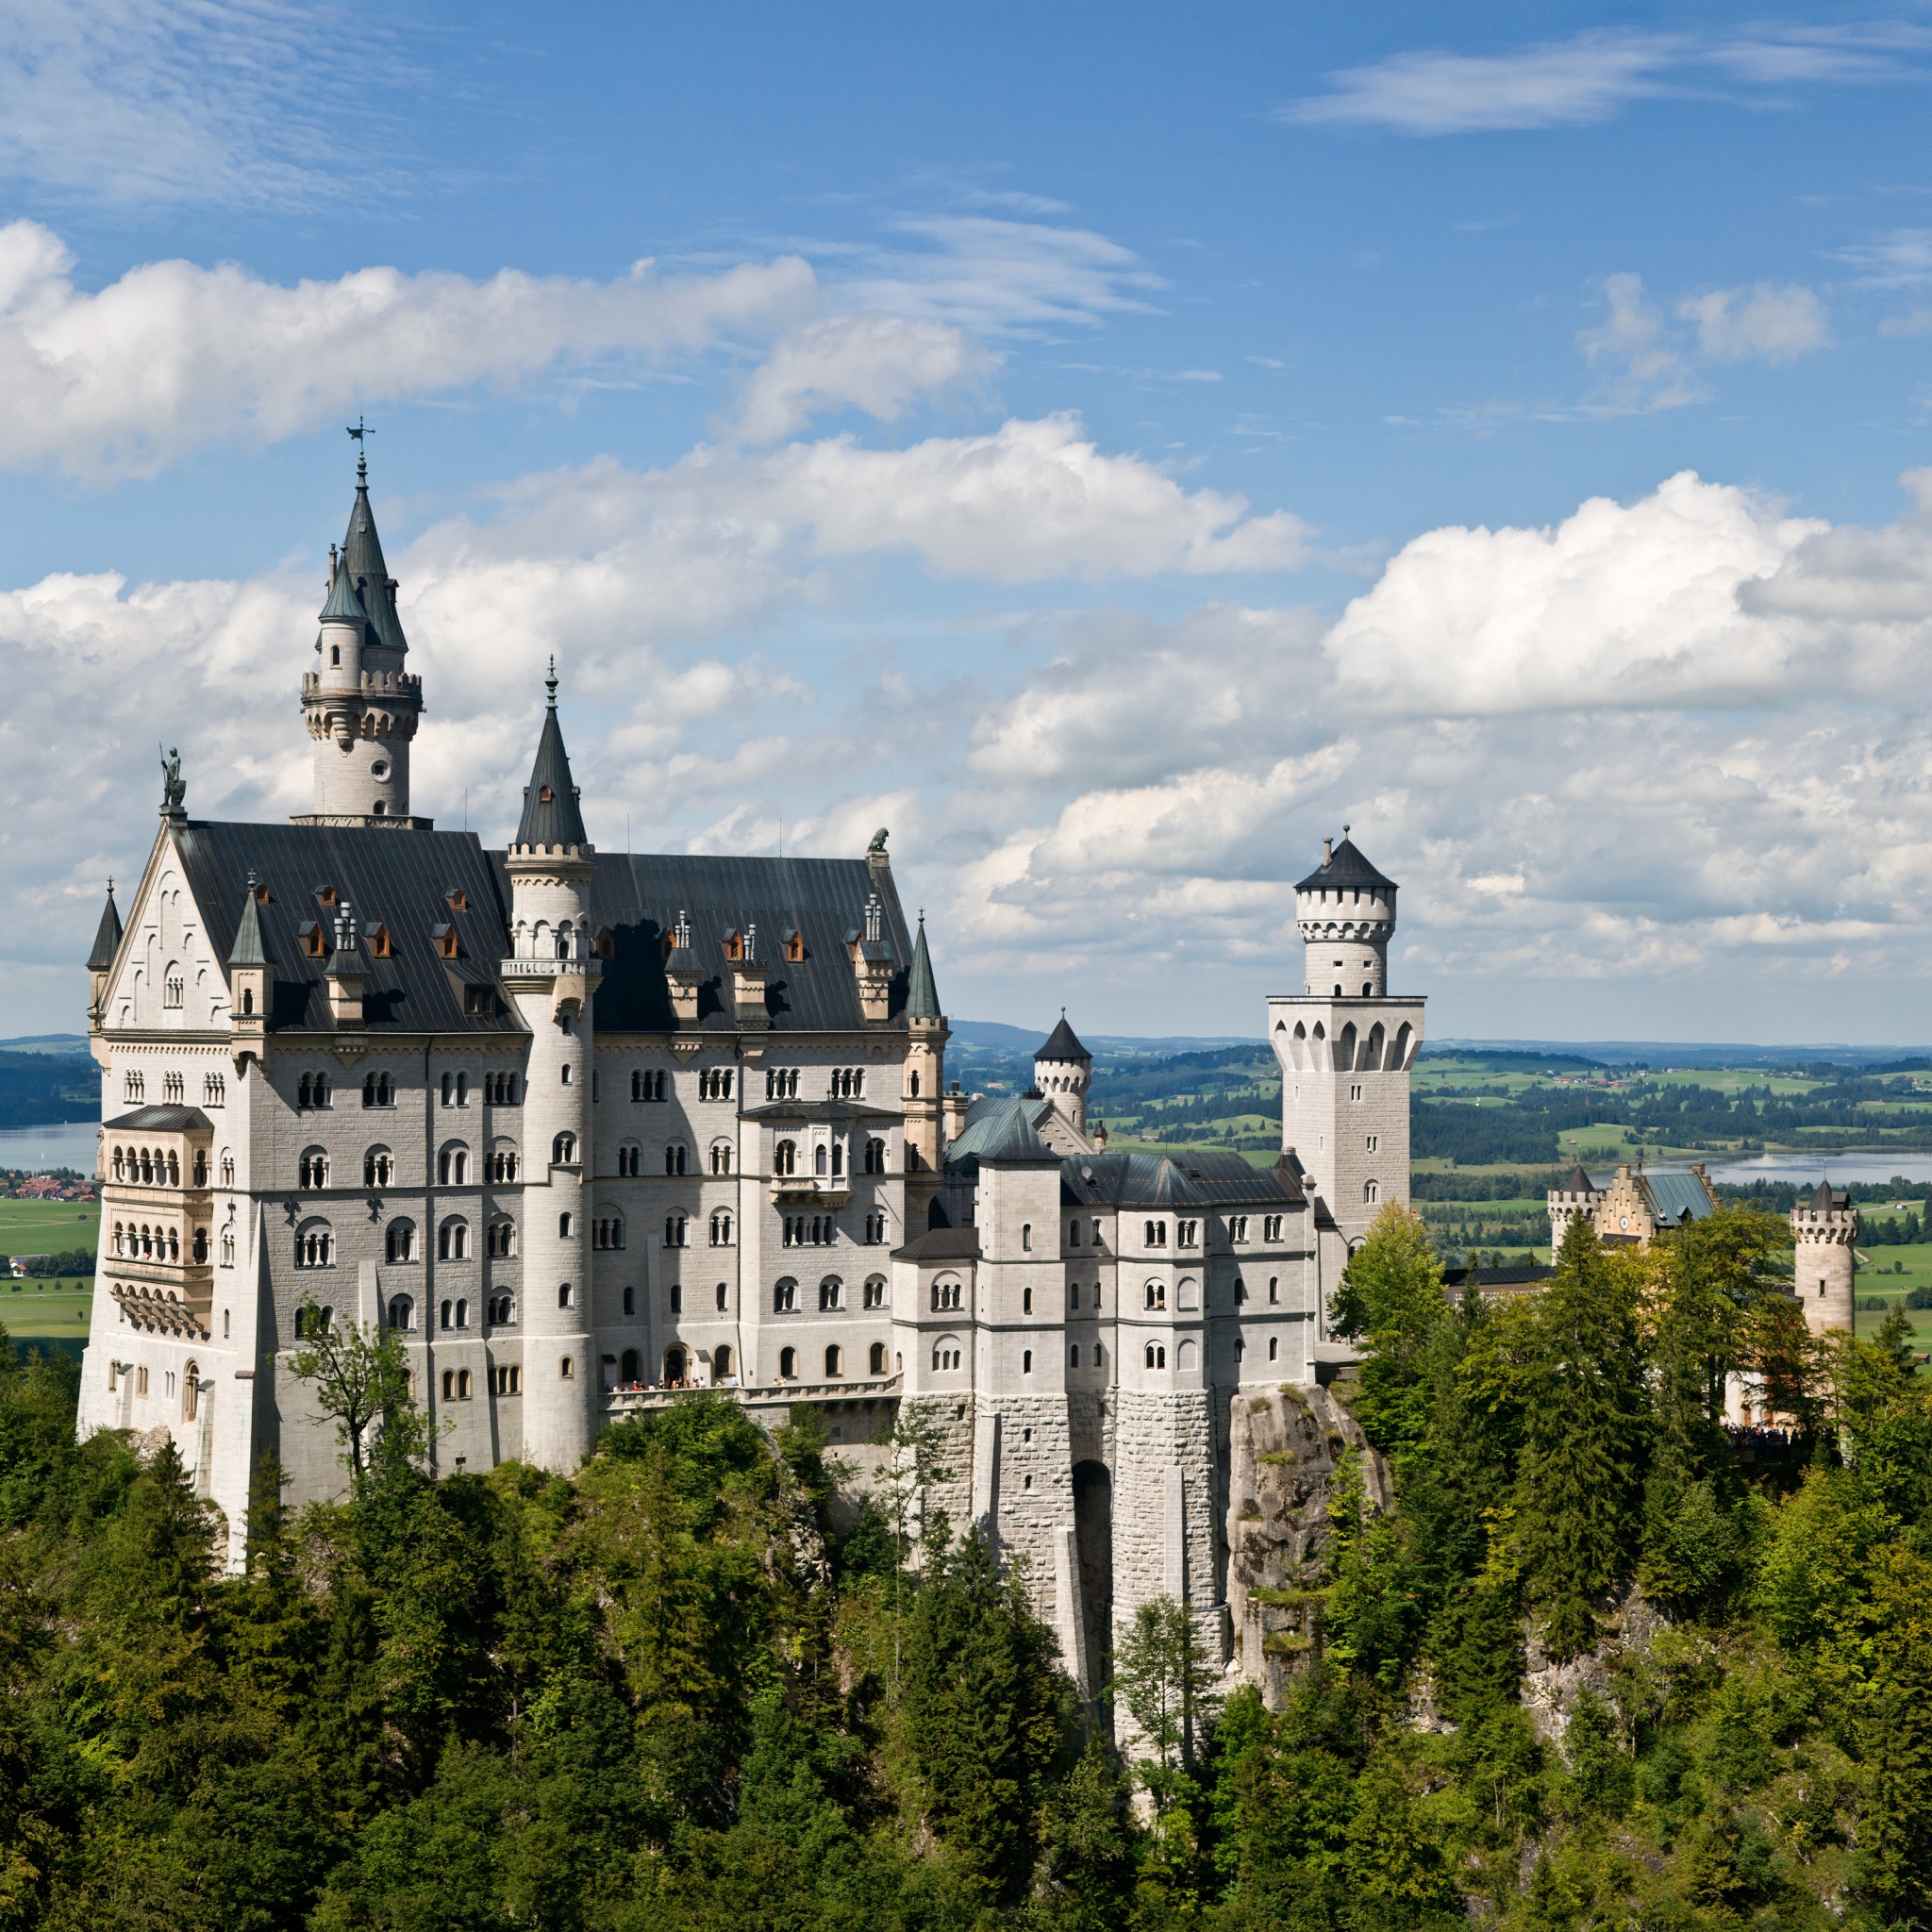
{"points": [[583, 1129]]}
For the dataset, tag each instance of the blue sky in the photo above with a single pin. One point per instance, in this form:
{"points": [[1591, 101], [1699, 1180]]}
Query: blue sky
{"points": [[1112, 447]]}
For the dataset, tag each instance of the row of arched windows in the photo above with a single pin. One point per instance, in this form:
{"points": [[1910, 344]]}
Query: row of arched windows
{"points": [[155, 1167], [139, 1241]]}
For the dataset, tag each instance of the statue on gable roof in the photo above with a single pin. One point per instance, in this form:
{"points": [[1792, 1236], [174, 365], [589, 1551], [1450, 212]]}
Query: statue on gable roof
{"points": [[879, 840], [174, 786]]}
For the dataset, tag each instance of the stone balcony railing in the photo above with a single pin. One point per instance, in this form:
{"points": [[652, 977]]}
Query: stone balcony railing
{"points": [[618, 1403]]}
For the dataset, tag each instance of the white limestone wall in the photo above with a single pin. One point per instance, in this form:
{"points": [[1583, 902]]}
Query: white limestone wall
{"points": [[1167, 1506], [1822, 1269]]}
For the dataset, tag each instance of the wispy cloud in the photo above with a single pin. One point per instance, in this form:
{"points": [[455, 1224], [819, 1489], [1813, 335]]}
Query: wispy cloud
{"points": [[222, 102], [1594, 76]]}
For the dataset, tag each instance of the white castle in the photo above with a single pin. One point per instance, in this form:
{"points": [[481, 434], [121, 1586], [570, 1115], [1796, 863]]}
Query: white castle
{"points": [[585, 1129]]}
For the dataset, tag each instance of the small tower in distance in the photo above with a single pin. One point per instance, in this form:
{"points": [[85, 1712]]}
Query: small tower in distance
{"points": [[1577, 1196], [100, 961], [1062, 1071], [362, 706], [1826, 1226]]}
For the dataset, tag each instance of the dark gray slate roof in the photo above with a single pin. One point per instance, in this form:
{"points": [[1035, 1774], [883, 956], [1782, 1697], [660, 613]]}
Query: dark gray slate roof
{"points": [[942, 1244], [343, 601], [1345, 868], [809, 1111], [1063, 1043], [1161, 1181], [551, 816], [990, 1123], [161, 1120], [1825, 1199], [1579, 1182], [107, 936], [250, 948], [398, 881], [363, 562], [636, 899], [922, 995]]}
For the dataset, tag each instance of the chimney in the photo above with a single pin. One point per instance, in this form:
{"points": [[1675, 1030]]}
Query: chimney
{"points": [[681, 972], [748, 986], [1328, 851]]}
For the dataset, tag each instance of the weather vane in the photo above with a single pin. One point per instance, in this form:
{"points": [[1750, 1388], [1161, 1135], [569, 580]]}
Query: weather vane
{"points": [[359, 432]]}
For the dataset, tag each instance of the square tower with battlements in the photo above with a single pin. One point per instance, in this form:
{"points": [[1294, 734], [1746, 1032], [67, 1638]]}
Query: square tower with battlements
{"points": [[1345, 1045]]}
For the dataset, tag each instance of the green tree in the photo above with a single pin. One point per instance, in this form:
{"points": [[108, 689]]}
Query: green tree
{"points": [[1162, 1674], [984, 1710], [361, 1381], [1391, 1300]]}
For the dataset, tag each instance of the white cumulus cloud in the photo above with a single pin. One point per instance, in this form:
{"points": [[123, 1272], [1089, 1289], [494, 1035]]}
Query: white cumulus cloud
{"points": [[174, 355], [1770, 322]]}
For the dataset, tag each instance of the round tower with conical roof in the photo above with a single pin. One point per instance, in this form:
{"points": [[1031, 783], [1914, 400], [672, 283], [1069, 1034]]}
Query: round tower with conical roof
{"points": [[361, 704], [550, 976], [1345, 913], [1062, 1071]]}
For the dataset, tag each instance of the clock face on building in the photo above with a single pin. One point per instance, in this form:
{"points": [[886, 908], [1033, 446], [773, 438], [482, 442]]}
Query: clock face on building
{"points": [[1624, 1222]]}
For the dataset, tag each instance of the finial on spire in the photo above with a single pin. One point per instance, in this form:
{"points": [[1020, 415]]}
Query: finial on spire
{"points": [[550, 682], [1346, 831], [359, 432]]}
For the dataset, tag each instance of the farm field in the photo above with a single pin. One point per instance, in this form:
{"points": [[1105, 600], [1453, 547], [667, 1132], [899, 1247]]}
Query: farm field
{"points": [[57, 1305]]}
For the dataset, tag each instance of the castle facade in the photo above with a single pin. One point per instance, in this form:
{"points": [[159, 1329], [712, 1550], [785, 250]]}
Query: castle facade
{"points": [[582, 1130]]}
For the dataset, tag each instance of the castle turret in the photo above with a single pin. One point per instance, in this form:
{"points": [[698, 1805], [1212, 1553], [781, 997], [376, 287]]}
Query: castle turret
{"points": [[251, 980], [1825, 1227], [100, 961], [1063, 1070], [1577, 1196], [1347, 1046], [923, 1083], [361, 704], [549, 977]]}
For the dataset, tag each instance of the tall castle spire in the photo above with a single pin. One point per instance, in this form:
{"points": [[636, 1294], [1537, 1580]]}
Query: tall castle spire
{"points": [[362, 706]]}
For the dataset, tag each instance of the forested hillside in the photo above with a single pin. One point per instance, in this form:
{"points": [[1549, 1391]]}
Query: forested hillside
{"points": [[1604, 1663]]}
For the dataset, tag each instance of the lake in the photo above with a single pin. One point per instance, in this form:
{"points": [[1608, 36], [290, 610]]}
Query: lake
{"points": [[35, 1150]]}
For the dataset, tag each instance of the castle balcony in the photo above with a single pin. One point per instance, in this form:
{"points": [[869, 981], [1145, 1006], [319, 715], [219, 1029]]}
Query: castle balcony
{"points": [[812, 1190], [162, 1297], [395, 685], [767, 1402]]}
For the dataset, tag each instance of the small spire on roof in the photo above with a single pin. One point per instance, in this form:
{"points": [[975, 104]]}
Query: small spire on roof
{"points": [[550, 682]]}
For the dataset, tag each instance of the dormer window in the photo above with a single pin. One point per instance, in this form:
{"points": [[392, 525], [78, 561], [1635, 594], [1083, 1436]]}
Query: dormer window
{"points": [[445, 938], [734, 946], [380, 946], [794, 947], [545, 795], [314, 940], [459, 900], [606, 944], [325, 895], [261, 895]]}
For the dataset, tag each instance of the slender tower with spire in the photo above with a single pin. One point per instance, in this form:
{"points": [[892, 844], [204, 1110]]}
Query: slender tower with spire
{"points": [[362, 706], [550, 976], [922, 1086]]}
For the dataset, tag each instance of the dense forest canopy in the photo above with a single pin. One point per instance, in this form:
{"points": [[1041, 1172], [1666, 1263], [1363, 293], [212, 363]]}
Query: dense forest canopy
{"points": [[1607, 1661]]}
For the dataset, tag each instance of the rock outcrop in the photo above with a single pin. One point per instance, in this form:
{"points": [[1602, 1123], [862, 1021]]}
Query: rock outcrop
{"points": [[1285, 1449]]}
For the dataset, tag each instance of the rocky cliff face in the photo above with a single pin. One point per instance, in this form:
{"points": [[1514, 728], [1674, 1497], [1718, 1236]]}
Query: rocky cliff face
{"points": [[1284, 1449]]}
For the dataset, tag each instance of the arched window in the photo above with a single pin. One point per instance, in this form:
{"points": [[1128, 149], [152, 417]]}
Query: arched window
{"points": [[676, 1230], [606, 1231], [721, 1157], [1372, 1190], [1186, 1358], [201, 1167], [314, 1168], [831, 1294], [462, 1313], [502, 1239], [818, 1158], [627, 1368], [453, 1166], [1273, 1347], [447, 1316], [720, 1361], [1025, 1361], [228, 1169], [379, 1168], [190, 1390], [630, 1160], [315, 1245], [228, 1247], [503, 1162], [1157, 1294], [1157, 1355], [401, 1313], [787, 1365], [785, 1296], [379, 1089], [875, 1291], [566, 1295], [200, 1249], [876, 1359], [875, 1155], [566, 1368], [174, 1169], [675, 1156], [833, 1358], [452, 1240], [399, 1242], [721, 1228], [564, 1225], [785, 1157], [563, 1150], [312, 1322], [947, 1354]]}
